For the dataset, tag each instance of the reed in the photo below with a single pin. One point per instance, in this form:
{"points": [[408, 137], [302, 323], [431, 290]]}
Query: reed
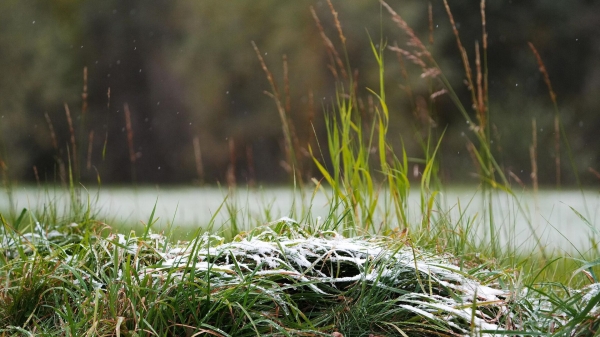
{"points": [[73, 148], [290, 140], [198, 157], [230, 176], [129, 129]]}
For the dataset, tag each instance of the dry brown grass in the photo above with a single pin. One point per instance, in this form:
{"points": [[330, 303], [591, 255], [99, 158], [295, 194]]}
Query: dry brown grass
{"points": [[129, 130], [552, 94]]}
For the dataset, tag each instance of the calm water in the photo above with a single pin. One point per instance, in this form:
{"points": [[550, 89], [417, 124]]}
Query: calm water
{"points": [[549, 215]]}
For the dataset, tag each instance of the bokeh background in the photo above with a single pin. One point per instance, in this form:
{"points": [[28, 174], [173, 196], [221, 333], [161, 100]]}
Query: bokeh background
{"points": [[192, 83]]}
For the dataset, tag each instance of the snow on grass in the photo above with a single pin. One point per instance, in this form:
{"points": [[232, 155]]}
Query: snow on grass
{"points": [[328, 264], [297, 271]]}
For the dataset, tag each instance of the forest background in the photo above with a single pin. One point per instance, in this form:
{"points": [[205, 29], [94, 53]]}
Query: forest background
{"points": [[193, 85]]}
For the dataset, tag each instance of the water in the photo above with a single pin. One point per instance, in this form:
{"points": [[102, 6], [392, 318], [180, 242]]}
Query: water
{"points": [[549, 215]]}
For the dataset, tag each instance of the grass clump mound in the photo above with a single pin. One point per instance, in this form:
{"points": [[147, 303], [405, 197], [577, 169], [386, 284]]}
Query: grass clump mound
{"points": [[281, 279]]}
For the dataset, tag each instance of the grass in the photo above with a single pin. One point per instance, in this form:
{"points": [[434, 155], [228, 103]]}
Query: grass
{"points": [[282, 278], [365, 269]]}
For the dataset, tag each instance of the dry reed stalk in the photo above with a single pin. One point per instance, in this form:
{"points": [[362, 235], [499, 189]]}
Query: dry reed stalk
{"points": [[438, 93], [404, 72], [516, 178], [62, 171], [333, 54], [472, 153], [414, 41], [484, 36], [594, 172], [129, 130], [483, 25], [90, 148], [231, 168], [463, 52], [533, 155], [84, 109], [37, 176], [534, 170], [52, 133], [285, 164], [275, 93], [286, 91], [409, 56], [544, 72], [497, 140], [286, 85], [198, 156], [84, 94], [360, 105], [288, 107], [422, 114], [407, 88], [289, 136], [338, 25], [430, 12], [481, 115], [4, 169], [73, 143], [250, 163], [557, 149], [106, 118]]}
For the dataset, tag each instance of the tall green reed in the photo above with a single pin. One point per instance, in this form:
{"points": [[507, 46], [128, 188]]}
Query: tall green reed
{"points": [[360, 165], [368, 176]]}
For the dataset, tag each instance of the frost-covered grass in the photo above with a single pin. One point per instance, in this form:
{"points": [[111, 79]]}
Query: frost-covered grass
{"points": [[280, 279]]}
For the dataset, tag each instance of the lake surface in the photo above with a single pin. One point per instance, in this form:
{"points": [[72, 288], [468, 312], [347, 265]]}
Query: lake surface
{"points": [[549, 214]]}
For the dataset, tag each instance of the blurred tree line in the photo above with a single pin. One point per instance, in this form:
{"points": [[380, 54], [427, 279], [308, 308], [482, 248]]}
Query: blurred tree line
{"points": [[194, 88]]}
